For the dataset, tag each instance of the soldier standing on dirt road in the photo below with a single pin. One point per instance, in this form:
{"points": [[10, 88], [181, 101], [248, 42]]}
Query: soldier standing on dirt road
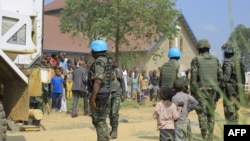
{"points": [[205, 74], [117, 95], [169, 70], [230, 84], [99, 87]]}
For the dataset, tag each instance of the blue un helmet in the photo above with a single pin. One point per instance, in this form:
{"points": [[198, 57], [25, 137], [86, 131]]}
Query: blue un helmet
{"points": [[174, 52], [99, 45]]}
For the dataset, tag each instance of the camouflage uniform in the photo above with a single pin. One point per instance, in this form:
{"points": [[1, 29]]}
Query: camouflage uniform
{"points": [[230, 88], [99, 70], [117, 89], [168, 73], [205, 74]]}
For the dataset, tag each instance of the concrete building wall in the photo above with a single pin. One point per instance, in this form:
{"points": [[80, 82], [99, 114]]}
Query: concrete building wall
{"points": [[158, 55]]}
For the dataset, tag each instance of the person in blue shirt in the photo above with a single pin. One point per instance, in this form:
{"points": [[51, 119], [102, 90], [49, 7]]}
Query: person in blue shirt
{"points": [[135, 86], [57, 89]]}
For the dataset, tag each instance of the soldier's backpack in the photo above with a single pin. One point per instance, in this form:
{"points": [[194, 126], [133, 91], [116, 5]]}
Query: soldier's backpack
{"points": [[207, 72], [169, 73]]}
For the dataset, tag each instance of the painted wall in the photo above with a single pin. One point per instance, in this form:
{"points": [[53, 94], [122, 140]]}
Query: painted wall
{"points": [[155, 58], [189, 49]]}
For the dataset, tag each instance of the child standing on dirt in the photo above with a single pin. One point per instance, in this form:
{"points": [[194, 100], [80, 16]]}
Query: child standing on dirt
{"points": [[57, 89], [182, 124], [165, 113]]}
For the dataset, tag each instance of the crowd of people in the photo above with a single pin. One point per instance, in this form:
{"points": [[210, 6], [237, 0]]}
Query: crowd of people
{"points": [[175, 93], [173, 90], [137, 84], [68, 80]]}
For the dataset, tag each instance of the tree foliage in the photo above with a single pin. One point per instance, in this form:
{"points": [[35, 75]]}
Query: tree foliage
{"points": [[241, 36], [117, 20]]}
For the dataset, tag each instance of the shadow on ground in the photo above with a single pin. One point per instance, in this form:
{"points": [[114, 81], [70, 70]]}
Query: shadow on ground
{"points": [[197, 137], [149, 137], [16, 138]]}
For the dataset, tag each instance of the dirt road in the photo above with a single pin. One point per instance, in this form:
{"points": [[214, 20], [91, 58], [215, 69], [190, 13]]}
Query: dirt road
{"points": [[140, 126]]}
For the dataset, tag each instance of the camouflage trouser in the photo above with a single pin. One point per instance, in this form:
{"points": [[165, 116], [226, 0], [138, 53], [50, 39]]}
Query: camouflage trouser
{"points": [[99, 118], [230, 108], [205, 111], [114, 109], [45, 90]]}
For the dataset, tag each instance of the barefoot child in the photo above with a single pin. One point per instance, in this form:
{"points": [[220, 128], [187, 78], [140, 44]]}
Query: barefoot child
{"points": [[165, 113]]}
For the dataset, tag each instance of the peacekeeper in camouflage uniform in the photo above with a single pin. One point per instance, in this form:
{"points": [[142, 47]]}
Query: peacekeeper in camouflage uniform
{"points": [[170, 69], [117, 94], [230, 84], [206, 72], [99, 87]]}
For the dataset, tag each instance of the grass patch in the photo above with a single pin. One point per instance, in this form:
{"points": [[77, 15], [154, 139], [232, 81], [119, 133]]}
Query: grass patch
{"points": [[79, 105], [70, 104], [125, 104], [130, 104]]}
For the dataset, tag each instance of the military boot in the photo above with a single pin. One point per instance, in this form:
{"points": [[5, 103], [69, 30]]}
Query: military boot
{"points": [[113, 133]]}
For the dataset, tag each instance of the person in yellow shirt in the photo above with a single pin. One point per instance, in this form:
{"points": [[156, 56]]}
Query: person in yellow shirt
{"points": [[143, 72], [69, 79], [144, 85]]}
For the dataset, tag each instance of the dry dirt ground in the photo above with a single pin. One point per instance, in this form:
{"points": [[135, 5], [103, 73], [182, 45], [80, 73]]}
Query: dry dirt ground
{"points": [[140, 126]]}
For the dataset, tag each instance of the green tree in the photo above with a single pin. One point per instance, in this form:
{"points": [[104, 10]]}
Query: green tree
{"points": [[241, 36], [119, 20]]}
